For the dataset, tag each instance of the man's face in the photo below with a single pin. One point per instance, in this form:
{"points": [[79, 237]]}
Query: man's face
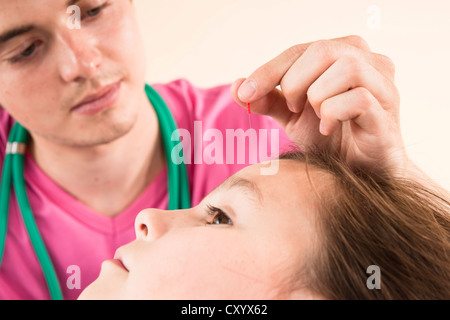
{"points": [[74, 87]]}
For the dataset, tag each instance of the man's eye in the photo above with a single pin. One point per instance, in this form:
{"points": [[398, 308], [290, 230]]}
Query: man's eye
{"points": [[218, 217], [96, 11], [27, 53], [93, 12]]}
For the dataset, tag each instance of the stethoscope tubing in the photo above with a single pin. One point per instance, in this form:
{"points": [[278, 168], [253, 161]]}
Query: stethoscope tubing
{"points": [[179, 195], [5, 189], [16, 166]]}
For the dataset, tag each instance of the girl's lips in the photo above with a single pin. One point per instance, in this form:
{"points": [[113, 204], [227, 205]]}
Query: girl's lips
{"points": [[117, 263], [118, 259], [100, 101]]}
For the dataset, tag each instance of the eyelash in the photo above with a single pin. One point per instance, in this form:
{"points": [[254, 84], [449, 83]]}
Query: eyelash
{"points": [[22, 55], [217, 213], [97, 11]]}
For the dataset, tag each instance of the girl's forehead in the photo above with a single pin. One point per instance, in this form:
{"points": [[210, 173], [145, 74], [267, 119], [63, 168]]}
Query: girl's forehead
{"points": [[289, 172]]}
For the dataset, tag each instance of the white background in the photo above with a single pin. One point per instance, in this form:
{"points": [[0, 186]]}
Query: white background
{"points": [[211, 42]]}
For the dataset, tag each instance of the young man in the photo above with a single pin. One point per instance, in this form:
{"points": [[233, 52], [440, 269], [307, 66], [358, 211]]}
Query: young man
{"points": [[95, 156]]}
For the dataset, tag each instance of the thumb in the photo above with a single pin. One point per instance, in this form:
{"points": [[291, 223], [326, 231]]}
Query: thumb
{"points": [[272, 104], [234, 91]]}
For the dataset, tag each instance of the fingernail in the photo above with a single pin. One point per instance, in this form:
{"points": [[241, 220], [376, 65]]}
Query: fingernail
{"points": [[290, 106], [247, 90]]}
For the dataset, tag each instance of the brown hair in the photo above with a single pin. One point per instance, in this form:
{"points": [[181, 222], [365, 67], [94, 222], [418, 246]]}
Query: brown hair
{"points": [[399, 225]]}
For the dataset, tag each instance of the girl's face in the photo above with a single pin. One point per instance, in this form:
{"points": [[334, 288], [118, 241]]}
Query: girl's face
{"points": [[248, 239]]}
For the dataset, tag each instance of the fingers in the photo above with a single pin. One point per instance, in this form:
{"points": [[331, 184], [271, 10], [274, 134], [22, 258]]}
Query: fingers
{"points": [[357, 105], [323, 74], [267, 105], [296, 69], [269, 76], [348, 73], [317, 60]]}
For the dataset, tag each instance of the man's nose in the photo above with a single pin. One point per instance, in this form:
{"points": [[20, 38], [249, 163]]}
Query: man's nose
{"points": [[151, 224], [78, 57]]}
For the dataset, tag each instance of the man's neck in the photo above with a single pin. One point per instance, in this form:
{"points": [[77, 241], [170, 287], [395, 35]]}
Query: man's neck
{"points": [[111, 177]]}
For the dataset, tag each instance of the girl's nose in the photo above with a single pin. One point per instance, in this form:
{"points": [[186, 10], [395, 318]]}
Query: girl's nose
{"points": [[151, 224]]}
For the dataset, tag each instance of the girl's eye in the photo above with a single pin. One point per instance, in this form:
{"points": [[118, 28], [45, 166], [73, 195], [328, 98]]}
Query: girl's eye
{"points": [[218, 217]]}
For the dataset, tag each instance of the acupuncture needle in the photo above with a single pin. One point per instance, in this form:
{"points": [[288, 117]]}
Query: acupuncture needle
{"points": [[249, 110]]}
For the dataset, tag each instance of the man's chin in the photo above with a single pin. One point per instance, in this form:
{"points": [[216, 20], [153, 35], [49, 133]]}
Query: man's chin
{"points": [[97, 136]]}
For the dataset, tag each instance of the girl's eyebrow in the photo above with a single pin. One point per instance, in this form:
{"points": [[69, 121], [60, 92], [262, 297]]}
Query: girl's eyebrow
{"points": [[246, 185]]}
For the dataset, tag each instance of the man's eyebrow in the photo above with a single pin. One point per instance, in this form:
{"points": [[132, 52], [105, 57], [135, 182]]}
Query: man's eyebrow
{"points": [[238, 182], [15, 32], [72, 2], [9, 34]]}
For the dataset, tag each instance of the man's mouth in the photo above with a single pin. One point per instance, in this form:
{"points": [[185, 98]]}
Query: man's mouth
{"points": [[100, 100]]}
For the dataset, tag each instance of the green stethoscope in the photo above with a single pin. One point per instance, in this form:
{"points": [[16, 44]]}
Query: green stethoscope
{"points": [[13, 169]]}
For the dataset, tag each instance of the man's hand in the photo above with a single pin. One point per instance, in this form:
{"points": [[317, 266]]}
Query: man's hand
{"points": [[332, 94]]}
